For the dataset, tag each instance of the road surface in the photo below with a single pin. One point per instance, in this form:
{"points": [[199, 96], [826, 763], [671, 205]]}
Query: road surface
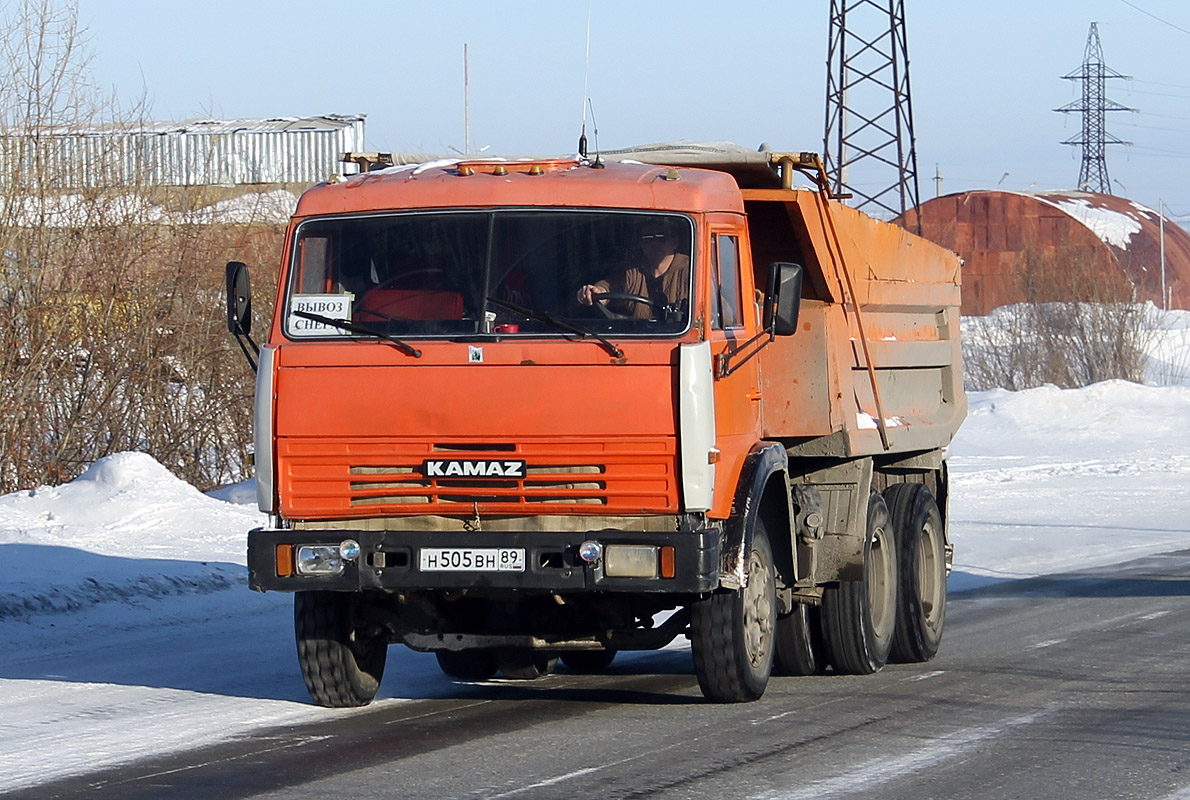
{"points": [[1066, 686]]}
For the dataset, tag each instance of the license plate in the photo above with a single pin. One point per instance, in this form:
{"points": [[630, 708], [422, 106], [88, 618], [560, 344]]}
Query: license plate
{"points": [[473, 559]]}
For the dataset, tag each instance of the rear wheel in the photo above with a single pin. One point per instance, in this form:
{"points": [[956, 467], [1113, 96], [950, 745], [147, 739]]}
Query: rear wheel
{"points": [[733, 633], [921, 587], [588, 660], [799, 646], [467, 665], [523, 664], [859, 617], [341, 663]]}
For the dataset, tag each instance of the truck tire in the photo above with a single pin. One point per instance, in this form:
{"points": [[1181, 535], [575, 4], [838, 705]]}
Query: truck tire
{"points": [[341, 665], [859, 617], [732, 634], [466, 665], [921, 585], [523, 664], [799, 646], [588, 660]]}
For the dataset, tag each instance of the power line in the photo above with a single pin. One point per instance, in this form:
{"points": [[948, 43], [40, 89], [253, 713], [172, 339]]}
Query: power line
{"points": [[1163, 116], [1154, 127], [1154, 16], [1160, 83], [1156, 94]]}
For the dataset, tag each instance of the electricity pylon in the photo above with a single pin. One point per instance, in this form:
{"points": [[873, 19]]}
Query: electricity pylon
{"points": [[1094, 105], [868, 147]]}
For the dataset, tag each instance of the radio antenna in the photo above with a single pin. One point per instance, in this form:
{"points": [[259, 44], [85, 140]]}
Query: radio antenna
{"points": [[582, 139], [595, 132]]}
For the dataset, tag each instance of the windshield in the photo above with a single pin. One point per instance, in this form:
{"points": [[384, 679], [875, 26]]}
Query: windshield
{"points": [[506, 273]]}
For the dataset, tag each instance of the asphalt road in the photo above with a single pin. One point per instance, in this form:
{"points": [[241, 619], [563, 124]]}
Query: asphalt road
{"points": [[1068, 686]]}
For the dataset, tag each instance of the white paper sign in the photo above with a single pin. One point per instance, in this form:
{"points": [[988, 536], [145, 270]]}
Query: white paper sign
{"points": [[332, 306]]}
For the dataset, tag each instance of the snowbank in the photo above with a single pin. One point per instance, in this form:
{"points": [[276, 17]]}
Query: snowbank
{"points": [[126, 529], [1050, 480], [76, 210]]}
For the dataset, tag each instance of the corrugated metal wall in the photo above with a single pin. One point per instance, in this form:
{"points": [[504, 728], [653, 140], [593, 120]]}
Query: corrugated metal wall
{"points": [[196, 153], [1005, 237]]}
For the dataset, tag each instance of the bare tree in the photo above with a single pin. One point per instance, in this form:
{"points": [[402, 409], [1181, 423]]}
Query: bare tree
{"points": [[1079, 324], [111, 320]]}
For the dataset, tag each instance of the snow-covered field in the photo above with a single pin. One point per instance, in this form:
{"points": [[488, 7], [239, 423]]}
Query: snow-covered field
{"points": [[127, 629]]}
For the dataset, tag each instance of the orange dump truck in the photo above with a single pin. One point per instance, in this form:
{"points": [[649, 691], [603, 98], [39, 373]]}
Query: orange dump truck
{"points": [[514, 411]]}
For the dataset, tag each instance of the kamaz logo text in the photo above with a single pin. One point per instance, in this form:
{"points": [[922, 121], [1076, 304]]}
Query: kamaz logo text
{"points": [[473, 469]]}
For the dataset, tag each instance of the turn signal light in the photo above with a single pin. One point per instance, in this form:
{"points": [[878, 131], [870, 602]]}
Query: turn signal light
{"points": [[284, 560], [668, 561]]}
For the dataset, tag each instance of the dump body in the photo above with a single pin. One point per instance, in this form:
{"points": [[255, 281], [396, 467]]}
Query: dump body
{"points": [[524, 407], [816, 386]]}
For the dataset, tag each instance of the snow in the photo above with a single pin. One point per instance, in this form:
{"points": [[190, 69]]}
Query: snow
{"points": [[1112, 227], [129, 630], [75, 210], [866, 422]]}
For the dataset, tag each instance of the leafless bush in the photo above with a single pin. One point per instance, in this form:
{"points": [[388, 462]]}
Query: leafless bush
{"points": [[112, 332], [1079, 325]]}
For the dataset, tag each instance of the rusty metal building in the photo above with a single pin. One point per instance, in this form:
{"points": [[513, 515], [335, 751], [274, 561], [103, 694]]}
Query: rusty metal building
{"points": [[200, 152], [1077, 240]]}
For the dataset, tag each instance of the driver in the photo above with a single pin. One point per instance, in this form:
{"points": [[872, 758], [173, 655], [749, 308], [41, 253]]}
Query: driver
{"points": [[662, 274]]}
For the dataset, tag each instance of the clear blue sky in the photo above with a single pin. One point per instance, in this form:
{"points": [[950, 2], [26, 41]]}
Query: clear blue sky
{"points": [[985, 76]]}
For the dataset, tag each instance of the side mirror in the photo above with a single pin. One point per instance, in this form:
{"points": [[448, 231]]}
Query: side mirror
{"points": [[239, 299], [783, 298]]}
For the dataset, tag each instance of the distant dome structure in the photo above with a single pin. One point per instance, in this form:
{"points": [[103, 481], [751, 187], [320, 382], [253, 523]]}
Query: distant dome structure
{"points": [[1057, 246]]}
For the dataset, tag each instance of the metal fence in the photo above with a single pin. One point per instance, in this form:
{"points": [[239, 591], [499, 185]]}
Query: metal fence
{"points": [[192, 153]]}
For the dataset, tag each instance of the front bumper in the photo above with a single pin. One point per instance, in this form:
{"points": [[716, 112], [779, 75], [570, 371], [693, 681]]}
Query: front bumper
{"points": [[389, 560]]}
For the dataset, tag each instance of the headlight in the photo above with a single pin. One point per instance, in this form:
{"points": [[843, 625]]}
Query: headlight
{"points": [[630, 561], [319, 559]]}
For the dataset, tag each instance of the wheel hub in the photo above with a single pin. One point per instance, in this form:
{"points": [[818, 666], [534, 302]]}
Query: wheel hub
{"points": [[758, 610]]}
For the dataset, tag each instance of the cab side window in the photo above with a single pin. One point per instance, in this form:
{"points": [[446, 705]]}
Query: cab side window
{"points": [[314, 262], [725, 276]]}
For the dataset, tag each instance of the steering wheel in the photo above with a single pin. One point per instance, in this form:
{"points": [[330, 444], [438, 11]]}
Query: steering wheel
{"points": [[599, 300]]}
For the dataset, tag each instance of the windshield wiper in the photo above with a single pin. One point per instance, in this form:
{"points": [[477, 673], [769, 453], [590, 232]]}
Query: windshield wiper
{"points": [[364, 330], [541, 316]]}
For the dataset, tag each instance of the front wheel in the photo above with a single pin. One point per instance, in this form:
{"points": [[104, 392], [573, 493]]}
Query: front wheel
{"points": [[341, 663], [732, 634], [859, 617]]}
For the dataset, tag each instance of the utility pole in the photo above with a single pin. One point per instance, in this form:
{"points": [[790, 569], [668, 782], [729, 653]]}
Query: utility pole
{"points": [[1093, 105], [868, 147], [1161, 214]]}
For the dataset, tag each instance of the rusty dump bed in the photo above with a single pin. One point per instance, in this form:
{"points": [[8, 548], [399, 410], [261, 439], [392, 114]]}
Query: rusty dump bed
{"points": [[876, 294]]}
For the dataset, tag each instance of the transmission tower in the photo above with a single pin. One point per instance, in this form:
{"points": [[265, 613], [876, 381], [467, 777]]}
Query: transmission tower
{"points": [[1094, 105], [868, 147]]}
